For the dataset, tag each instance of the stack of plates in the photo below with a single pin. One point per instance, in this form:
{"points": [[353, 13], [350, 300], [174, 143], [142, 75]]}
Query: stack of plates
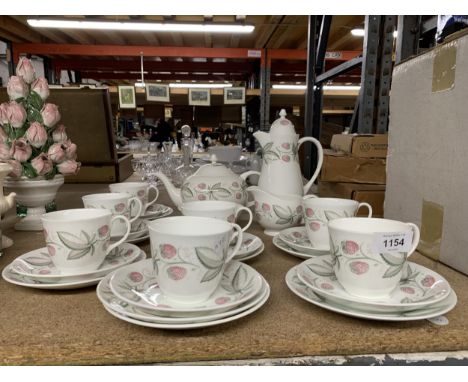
{"points": [[421, 293], [295, 242], [132, 294], [36, 270], [251, 247]]}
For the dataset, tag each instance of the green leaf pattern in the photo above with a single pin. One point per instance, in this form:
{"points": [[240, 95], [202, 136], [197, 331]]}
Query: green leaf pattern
{"points": [[217, 191], [284, 151], [283, 215]]}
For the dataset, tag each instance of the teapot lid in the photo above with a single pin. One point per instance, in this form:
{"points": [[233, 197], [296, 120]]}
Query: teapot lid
{"points": [[282, 125], [215, 169]]}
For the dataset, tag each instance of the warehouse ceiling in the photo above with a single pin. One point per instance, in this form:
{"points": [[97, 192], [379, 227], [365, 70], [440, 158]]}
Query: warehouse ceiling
{"points": [[271, 32]]}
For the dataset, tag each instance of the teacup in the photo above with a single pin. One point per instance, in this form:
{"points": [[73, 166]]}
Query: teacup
{"points": [[78, 240], [118, 204], [318, 212], [137, 189], [190, 255], [369, 253], [216, 209]]}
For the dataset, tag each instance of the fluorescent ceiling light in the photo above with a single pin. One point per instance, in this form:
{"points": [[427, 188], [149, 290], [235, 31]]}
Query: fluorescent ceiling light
{"points": [[189, 85], [326, 87], [359, 32], [134, 26]]}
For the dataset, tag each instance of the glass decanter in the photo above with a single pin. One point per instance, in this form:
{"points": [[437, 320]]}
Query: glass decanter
{"points": [[187, 168]]}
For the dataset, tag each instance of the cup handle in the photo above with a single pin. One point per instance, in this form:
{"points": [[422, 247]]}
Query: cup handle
{"points": [[239, 241], [365, 205], [319, 160], [140, 208], [309, 196], [239, 210], [127, 222], [416, 235], [155, 198]]}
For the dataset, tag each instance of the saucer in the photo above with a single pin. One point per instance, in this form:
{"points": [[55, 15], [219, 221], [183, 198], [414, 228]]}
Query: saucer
{"points": [[137, 285], [296, 237], [12, 277], [38, 265], [138, 239], [250, 255], [418, 287], [191, 325], [250, 244], [303, 291], [278, 243], [111, 301], [156, 211]]}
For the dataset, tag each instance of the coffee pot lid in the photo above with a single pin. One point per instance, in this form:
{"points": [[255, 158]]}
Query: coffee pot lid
{"points": [[282, 126], [215, 169]]}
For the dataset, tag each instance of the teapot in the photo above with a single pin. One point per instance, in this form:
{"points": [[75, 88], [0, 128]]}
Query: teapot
{"points": [[212, 181], [281, 172]]}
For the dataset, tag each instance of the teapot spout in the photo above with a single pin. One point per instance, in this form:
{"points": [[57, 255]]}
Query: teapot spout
{"points": [[174, 192], [262, 137]]}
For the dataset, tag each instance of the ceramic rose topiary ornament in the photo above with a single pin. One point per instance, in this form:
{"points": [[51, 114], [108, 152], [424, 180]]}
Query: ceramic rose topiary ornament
{"points": [[32, 141]]}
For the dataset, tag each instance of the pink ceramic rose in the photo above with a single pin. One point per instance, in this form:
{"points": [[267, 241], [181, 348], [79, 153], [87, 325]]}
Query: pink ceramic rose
{"points": [[25, 69], [16, 168], [3, 135], [70, 149], [41, 87], [4, 113], [69, 167], [16, 114], [20, 150], [56, 153], [42, 164], [4, 152], [17, 88], [59, 135], [50, 114], [36, 135]]}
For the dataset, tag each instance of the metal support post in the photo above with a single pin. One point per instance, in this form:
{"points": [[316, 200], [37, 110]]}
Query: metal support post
{"points": [[310, 160], [264, 92], [9, 59], [408, 37]]}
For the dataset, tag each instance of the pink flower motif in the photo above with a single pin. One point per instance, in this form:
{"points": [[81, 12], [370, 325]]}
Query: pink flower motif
{"points": [[359, 267], [297, 235], [408, 290], [309, 212], [136, 277], [284, 122], [44, 272], [141, 193], [103, 231], [168, 251], [120, 207], [314, 226], [51, 250], [326, 286], [286, 146], [349, 247], [266, 207], [235, 184], [256, 205], [201, 186], [286, 158], [248, 242], [45, 233], [231, 219], [238, 195], [299, 209], [201, 197], [176, 273], [222, 300], [128, 253], [428, 281]]}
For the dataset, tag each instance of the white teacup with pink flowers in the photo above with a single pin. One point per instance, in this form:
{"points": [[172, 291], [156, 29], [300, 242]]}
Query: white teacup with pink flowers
{"points": [[137, 189], [78, 240], [190, 254], [369, 254], [217, 209], [118, 204], [318, 212]]}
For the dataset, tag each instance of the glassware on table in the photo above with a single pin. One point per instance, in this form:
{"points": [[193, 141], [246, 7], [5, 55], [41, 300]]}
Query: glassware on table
{"points": [[187, 167]]}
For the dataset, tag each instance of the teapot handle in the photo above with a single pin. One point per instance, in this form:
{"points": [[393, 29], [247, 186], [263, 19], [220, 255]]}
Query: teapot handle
{"points": [[319, 160]]}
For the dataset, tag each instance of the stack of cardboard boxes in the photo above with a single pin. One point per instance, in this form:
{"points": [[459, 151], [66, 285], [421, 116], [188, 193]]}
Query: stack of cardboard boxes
{"points": [[355, 168]]}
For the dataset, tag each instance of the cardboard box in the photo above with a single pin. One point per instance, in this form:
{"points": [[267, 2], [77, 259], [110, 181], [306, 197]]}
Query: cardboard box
{"points": [[374, 194], [428, 156], [364, 146], [338, 167]]}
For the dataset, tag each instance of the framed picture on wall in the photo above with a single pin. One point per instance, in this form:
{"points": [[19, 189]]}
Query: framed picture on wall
{"points": [[199, 97], [157, 92], [127, 97], [234, 96]]}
